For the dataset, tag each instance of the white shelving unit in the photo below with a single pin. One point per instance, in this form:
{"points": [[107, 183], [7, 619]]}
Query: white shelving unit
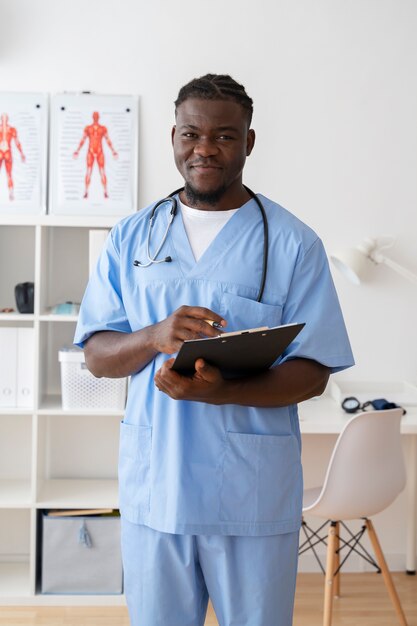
{"points": [[49, 458]]}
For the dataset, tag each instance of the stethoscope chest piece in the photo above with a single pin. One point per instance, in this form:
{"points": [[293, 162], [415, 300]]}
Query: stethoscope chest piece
{"points": [[153, 258]]}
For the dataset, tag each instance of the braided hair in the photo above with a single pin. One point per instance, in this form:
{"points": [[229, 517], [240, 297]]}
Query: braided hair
{"points": [[216, 87]]}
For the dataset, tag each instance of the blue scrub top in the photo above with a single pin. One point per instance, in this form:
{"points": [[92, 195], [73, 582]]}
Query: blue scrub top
{"points": [[193, 468]]}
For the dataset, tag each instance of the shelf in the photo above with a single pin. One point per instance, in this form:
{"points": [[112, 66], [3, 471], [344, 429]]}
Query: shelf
{"points": [[15, 494], [49, 317], [14, 580], [80, 494], [49, 457], [16, 317], [12, 410]]}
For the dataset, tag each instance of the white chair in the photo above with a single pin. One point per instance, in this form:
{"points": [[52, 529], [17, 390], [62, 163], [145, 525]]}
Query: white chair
{"points": [[365, 474]]}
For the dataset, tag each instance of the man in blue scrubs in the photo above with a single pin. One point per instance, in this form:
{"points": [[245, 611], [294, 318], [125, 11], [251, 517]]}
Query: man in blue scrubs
{"points": [[210, 473]]}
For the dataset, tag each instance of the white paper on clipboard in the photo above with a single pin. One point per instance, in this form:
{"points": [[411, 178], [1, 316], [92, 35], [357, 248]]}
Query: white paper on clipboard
{"points": [[94, 153]]}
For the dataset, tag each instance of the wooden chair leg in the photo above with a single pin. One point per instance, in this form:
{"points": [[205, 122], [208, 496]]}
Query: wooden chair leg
{"points": [[328, 585], [385, 572], [336, 584]]}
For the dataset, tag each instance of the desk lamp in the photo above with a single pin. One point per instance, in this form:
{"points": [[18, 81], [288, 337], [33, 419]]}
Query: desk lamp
{"points": [[352, 262]]}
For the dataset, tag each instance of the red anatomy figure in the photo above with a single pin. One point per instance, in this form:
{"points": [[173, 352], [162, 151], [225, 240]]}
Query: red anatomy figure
{"points": [[95, 133], [7, 135]]}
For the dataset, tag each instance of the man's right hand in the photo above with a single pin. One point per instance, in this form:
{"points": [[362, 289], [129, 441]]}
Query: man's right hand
{"points": [[187, 322]]}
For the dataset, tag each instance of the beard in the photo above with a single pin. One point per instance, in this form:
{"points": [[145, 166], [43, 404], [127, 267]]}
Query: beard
{"points": [[195, 197]]}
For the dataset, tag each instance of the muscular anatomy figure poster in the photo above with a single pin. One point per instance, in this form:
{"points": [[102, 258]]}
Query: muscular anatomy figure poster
{"points": [[94, 152], [23, 139]]}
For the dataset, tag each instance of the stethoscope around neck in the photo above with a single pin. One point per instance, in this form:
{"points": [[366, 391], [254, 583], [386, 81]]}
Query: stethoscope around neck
{"points": [[152, 259]]}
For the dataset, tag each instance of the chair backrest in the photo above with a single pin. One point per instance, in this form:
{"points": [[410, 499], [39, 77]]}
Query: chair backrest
{"points": [[366, 470]]}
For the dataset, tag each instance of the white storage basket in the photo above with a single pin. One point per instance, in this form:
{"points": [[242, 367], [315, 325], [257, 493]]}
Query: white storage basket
{"points": [[82, 390]]}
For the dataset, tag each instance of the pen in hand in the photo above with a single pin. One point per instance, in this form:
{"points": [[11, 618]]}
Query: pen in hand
{"points": [[214, 324]]}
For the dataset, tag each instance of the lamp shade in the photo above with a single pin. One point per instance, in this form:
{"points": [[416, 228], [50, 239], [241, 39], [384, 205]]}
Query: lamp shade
{"points": [[351, 263]]}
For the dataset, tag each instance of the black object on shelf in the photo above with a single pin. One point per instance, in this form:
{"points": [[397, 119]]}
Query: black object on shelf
{"points": [[24, 295]]}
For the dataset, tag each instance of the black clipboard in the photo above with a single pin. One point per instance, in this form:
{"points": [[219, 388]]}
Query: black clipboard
{"points": [[238, 353]]}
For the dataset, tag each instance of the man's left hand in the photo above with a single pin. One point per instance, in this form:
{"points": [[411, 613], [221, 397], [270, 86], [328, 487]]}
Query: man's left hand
{"points": [[206, 384]]}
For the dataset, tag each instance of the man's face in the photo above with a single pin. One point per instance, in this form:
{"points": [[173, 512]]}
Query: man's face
{"points": [[211, 141]]}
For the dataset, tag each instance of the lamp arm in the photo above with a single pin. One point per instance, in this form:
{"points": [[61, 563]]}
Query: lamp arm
{"points": [[380, 258]]}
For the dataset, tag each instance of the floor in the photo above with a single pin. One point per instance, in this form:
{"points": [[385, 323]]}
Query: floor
{"points": [[364, 602]]}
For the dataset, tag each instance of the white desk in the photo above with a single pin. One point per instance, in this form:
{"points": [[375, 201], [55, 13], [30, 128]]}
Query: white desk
{"points": [[324, 416]]}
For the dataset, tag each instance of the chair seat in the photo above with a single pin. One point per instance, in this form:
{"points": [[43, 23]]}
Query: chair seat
{"points": [[310, 496]]}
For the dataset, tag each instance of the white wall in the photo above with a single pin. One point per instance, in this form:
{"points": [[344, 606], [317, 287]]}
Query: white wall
{"points": [[335, 90]]}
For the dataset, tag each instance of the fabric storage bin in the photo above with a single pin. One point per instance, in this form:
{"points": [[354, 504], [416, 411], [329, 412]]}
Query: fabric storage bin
{"points": [[81, 390], [81, 555]]}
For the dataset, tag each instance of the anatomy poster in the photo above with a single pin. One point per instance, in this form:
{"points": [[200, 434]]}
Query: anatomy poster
{"points": [[23, 152], [93, 154]]}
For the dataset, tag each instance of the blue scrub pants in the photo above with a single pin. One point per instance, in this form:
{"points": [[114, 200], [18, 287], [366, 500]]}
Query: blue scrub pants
{"points": [[169, 578]]}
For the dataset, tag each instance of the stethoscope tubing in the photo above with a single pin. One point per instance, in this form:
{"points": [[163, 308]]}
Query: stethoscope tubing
{"points": [[266, 243], [174, 205]]}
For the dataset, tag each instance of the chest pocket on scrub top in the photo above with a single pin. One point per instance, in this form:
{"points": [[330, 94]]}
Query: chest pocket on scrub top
{"points": [[241, 313]]}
